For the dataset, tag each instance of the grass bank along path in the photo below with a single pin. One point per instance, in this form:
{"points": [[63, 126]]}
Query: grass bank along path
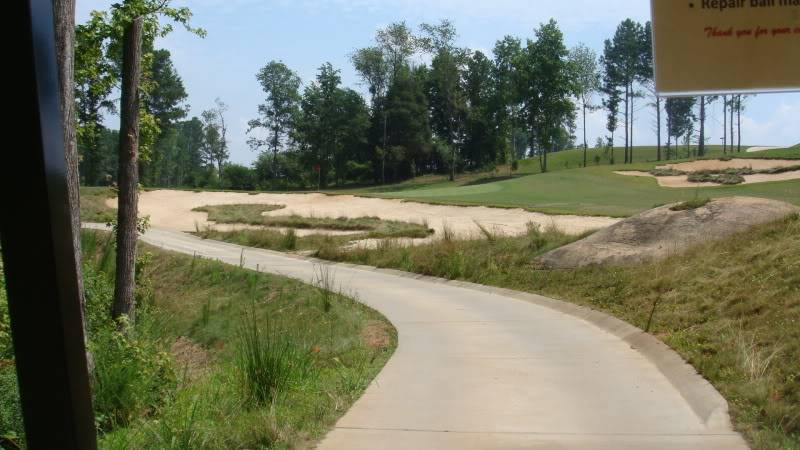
{"points": [[480, 368]]}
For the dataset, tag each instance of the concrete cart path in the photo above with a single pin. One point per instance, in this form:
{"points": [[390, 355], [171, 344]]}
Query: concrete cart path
{"points": [[477, 368]]}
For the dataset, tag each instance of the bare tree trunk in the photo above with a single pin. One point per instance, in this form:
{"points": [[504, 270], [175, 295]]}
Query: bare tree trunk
{"points": [[452, 162], [701, 146], [127, 217], [627, 134], [612, 148], [630, 152], [585, 142], [385, 137], [64, 17], [733, 102], [658, 125], [739, 124], [724, 124]]}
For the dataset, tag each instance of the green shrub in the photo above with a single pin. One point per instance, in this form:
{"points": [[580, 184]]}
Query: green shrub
{"points": [[776, 170], [6, 348], [666, 172], [12, 432], [719, 178], [132, 375]]}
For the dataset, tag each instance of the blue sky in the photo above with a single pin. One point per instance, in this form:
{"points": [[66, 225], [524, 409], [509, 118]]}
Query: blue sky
{"points": [[243, 35]]}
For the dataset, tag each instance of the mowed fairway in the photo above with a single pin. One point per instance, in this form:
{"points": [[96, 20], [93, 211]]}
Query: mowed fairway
{"points": [[595, 190]]}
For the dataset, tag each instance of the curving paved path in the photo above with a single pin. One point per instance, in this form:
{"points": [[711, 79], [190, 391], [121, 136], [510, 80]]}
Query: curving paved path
{"points": [[477, 368]]}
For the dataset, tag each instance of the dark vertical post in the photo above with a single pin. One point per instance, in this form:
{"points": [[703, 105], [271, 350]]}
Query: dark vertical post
{"points": [[38, 255]]}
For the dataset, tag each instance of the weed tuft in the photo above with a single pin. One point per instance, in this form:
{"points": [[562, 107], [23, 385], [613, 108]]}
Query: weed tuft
{"points": [[691, 204], [268, 361]]}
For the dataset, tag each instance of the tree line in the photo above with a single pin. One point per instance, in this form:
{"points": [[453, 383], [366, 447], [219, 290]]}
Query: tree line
{"points": [[463, 110]]}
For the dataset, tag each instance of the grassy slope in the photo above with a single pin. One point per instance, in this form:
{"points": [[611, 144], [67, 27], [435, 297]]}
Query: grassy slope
{"points": [[93, 205], [206, 301], [731, 308], [595, 190]]}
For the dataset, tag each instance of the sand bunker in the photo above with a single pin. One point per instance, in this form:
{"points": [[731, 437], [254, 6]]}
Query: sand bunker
{"points": [[172, 210], [761, 149], [736, 163], [681, 181], [660, 232]]}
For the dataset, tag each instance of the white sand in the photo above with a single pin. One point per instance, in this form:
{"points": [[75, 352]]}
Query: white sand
{"points": [[172, 210], [736, 163], [678, 181], [761, 149], [682, 181]]}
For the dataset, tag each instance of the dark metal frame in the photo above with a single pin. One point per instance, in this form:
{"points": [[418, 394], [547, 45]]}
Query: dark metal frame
{"points": [[36, 232]]}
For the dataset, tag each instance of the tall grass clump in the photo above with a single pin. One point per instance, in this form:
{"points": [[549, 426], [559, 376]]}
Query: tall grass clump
{"points": [[289, 240], [488, 234], [269, 361]]}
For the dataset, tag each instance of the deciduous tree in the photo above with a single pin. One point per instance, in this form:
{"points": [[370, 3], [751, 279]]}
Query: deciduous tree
{"points": [[279, 110], [587, 82], [135, 21]]}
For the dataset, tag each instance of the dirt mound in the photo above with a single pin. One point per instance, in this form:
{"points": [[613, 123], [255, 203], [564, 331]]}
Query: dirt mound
{"points": [[660, 232]]}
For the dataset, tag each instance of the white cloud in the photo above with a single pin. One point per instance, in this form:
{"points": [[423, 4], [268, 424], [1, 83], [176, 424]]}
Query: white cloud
{"points": [[782, 127]]}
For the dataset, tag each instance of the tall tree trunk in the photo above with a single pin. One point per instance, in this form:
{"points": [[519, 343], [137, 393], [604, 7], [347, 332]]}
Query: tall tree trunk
{"points": [[452, 162], [701, 146], [64, 18], [385, 139], [612, 148], [127, 217], [627, 135], [585, 142], [669, 127], [630, 152], [669, 142], [275, 140], [733, 102], [513, 151], [739, 124], [725, 124], [658, 126]]}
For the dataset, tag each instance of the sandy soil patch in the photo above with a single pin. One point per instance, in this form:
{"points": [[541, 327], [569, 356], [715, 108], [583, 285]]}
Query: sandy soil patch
{"points": [[172, 210], [682, 181], [375, 334], [190, 358]]}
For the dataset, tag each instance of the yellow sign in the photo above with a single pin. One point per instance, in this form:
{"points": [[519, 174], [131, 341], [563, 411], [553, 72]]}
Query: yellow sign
{"points": [[723, 46]]}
